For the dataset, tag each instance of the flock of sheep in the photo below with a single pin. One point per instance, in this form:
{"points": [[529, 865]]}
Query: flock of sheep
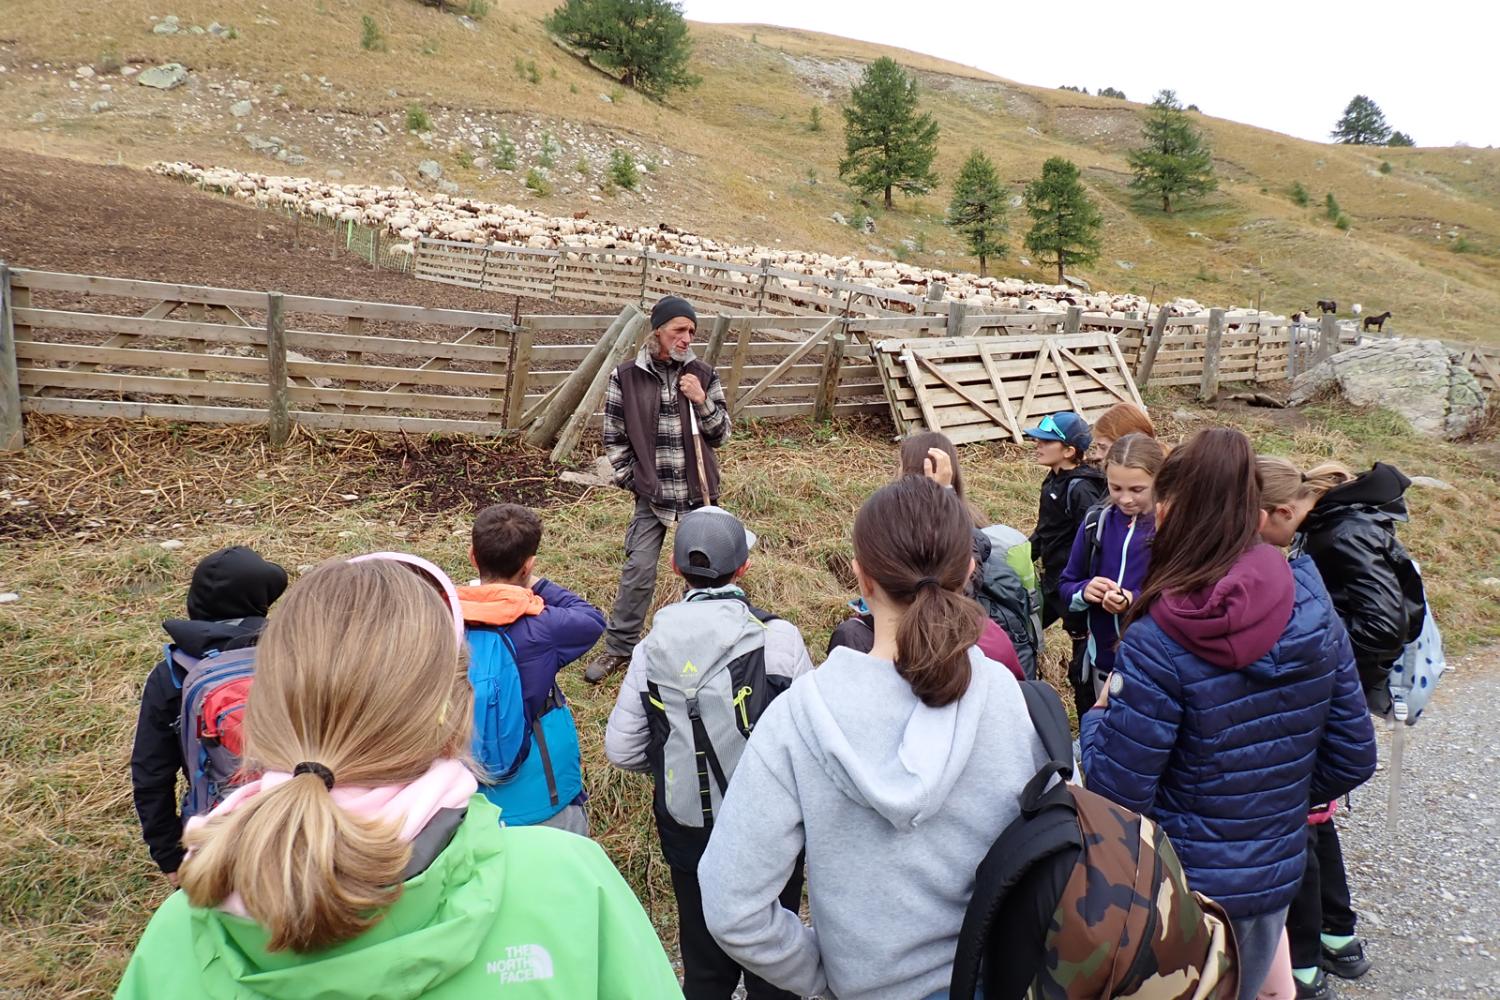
{"points": [[412, 215]]}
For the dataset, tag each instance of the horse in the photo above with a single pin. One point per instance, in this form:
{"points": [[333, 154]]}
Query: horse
{"points": [[1328, 306], [1376, 321]]}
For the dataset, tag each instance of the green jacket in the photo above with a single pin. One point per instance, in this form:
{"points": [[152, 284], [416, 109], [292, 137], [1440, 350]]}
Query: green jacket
{"points": [[514, 913]]}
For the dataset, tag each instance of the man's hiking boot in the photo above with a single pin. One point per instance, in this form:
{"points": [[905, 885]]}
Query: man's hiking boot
{"points": [[1348, 962], [1318, 989], [604, 665]]}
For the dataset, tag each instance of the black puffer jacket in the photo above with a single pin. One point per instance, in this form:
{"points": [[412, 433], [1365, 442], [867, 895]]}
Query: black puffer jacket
{"points": [[1376, 590]]}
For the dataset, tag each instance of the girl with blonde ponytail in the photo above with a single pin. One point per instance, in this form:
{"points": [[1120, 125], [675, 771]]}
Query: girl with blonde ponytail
{"points": [[903, 763], [328, 874]]}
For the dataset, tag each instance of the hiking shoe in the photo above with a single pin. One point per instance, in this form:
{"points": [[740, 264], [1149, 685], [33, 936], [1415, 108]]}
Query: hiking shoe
{"points": [[1318, 989], [1348, 962], [604, 665]]}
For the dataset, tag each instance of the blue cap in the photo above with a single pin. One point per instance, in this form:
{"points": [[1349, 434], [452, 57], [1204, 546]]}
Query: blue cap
{"points": [[1067, 427]]}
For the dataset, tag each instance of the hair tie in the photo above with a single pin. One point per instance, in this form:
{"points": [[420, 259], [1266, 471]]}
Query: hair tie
{"points": [[1304, 477], [313, 767], [928, 581]]}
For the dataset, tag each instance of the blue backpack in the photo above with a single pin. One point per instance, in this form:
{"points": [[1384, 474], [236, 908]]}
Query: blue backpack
{"points": [[533, 771]]}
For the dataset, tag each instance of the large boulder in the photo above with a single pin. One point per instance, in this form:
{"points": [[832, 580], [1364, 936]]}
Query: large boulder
{"points": [[163, 77], [1422, 380]]}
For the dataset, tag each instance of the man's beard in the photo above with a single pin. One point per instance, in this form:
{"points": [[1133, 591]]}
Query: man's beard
{"points": [[680, 355]]}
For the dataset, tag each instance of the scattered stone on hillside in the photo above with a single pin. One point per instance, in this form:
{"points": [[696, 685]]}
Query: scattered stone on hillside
{"points": [[129, 71], [1422, 380], [1024, 261], [195, 30], [164, 77], [839, 218], [38, 117], [448, 187], [606, 99], [430, 170], [296, 160], [241, 109], [868, 225], [335, 175], [84, 72], [165, 28], [99, 106], [1430, 483], [9, 598], [1492, 582], [1073, 281], [1016, 200], [397, 177], [171, 544], [218, 30], [1124, 265], [258, 144]]}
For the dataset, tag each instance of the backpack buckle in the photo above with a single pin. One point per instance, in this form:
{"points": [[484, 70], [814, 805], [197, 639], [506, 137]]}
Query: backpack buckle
{"points": [[692, 708]]}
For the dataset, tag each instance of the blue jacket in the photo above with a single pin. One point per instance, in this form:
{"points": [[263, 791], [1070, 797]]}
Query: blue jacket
{"points": [[544, 641], [1123, 553], [1227, 756]]}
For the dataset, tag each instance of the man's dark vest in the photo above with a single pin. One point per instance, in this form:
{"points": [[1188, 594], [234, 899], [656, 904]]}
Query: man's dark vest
{"points": [[640, 393]]}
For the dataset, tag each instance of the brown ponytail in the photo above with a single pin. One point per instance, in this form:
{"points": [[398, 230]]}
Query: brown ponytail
{"points": [[359, 671], [914, 539], [914, 450]]}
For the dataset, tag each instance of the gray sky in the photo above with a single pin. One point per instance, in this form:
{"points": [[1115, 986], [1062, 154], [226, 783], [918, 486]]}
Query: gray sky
{"points": [[1432, 66]]}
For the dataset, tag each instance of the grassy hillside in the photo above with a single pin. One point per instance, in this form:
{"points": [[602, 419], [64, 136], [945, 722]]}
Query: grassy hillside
{"points": [[735, 159]]}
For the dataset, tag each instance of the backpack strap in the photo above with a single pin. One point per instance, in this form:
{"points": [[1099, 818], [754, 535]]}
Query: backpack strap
{"points": [[1093, 527], [708, 763], [1050, 720]]}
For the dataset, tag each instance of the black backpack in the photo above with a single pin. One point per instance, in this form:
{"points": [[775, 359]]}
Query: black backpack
{"points": [[1068, 900]]}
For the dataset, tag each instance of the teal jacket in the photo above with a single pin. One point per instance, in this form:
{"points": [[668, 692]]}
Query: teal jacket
{"points": [[518, 912]]}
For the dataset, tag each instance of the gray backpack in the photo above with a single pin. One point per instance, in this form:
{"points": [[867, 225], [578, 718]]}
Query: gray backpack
{"points": [[706, 687]]}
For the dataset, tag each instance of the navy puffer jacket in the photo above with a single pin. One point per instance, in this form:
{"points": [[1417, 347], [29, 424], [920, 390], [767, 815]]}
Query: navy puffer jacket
{"points": [[1230, 711]]}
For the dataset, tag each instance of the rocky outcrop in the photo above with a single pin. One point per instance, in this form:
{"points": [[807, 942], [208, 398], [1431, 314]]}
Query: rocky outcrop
{"points": [[1422, 380]]}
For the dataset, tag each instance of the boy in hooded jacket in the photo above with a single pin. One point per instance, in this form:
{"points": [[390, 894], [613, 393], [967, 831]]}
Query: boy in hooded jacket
{"points": [[1234, 700], [711, 553], [231, 592]]}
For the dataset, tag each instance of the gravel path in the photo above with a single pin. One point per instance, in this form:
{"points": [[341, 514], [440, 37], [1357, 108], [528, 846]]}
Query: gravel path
{"points": [[1429, 896]]}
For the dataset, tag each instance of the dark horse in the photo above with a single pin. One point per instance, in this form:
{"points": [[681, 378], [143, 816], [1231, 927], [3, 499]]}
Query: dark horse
{"points": [[1376, 321], [1327, 306]]}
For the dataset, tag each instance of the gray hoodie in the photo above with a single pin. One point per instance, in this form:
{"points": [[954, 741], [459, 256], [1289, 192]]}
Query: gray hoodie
{"points": [[895, 803]]}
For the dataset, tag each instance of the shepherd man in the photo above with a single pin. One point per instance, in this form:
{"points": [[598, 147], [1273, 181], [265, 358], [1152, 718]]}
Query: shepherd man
{"points": [[664, 415]]}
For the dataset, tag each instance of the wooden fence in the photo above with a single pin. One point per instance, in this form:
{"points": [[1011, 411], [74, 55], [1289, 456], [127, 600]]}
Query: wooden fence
{"points": [[95, 346], [618, 276]]}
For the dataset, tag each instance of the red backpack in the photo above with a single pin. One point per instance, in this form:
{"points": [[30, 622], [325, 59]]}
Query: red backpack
{"points": [[211, 727]]}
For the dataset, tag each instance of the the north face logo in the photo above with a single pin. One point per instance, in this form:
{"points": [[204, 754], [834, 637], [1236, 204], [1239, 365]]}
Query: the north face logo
{"points": [[522, 964]]}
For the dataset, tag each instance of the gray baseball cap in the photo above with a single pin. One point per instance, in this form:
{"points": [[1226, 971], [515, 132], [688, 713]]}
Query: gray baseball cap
{"points": [[717, 536]]}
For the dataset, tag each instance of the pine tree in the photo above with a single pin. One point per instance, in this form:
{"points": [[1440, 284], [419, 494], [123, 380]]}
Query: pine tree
{"points": [[1363, 124], [1399, 139], [977, 210], [645, 41], [1175, 159], [1065, 221], [887, 144]]}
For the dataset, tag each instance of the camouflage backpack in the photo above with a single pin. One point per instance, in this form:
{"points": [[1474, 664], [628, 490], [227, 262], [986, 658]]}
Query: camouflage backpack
{"points": [[1081, 898]]}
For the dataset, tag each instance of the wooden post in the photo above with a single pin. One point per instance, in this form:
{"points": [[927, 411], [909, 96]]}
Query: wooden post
{"points": [[577, 382], [375, 251], [517, 373], [333, 248], [716, 341], [1328, 337], [760, 292], [484, 269], [1152, 346], [935, 292], [621, 349], [278, 416], [12, 434], [645, 274], [1208, 388], [737, 368], [1072, 319], [957, 313], [828, 382]]}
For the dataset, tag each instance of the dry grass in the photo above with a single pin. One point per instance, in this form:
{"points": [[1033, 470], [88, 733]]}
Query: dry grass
{"points": [[740, 138], [76, 886]]}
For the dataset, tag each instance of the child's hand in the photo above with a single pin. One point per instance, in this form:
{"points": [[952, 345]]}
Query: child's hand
{"points": [[1117, 600], [939, 466], [1098, 589]]}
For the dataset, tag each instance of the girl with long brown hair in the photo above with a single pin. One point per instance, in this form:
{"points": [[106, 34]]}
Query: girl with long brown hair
{"points": [[1234, 699], [361, 861], [894, 770]]}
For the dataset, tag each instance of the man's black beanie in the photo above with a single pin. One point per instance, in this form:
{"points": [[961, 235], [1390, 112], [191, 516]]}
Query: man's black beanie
{"points": [[669, 309]]}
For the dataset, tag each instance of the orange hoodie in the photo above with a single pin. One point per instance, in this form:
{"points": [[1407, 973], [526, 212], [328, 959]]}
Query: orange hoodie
{"points": [[498, 603]]}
